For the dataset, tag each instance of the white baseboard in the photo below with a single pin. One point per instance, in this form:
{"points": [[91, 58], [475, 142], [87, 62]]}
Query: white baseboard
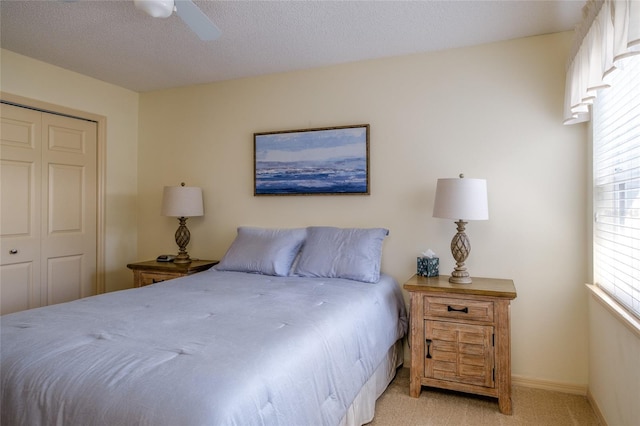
{"points": [[596, 408], [549, 385]]}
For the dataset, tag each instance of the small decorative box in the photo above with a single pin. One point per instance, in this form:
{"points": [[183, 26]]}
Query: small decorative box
{"points": [[428, 266]]}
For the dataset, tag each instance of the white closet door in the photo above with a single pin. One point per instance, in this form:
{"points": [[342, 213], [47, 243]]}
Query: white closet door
{"points": [[69, 208], [20, 195], [51, 256]]}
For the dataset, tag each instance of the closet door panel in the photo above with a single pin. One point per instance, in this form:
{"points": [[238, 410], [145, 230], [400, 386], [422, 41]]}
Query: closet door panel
{"points": [[17, 287], [65, 278]]}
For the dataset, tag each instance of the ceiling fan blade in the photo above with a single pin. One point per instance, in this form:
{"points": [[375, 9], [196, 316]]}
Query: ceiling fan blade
{"points": [[197, 20]]}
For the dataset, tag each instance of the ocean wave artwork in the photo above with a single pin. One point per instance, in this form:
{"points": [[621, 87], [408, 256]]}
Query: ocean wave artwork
{"points": [[316, 161]]}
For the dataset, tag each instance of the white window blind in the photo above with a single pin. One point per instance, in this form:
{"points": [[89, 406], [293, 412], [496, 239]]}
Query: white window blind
{"points": [[616, 172]]}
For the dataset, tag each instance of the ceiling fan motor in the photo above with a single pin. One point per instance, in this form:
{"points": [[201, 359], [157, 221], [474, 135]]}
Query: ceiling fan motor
{"points": [[156, 8]]}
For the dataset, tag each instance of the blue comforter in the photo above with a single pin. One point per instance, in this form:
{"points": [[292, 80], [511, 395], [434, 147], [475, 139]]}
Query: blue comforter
{"points": [[215, 348]]}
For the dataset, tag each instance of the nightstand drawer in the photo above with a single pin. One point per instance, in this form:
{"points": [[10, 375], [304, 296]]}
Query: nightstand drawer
{"points": [[152, 271], [467, 309], [147, 278]]}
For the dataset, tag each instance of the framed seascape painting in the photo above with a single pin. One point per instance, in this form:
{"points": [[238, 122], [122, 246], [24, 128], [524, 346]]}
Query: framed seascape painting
{"points": [[324, 161]]}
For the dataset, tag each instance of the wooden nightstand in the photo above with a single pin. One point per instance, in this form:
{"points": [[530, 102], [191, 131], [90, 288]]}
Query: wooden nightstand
{"points": [[460, 336], [150, 272]]}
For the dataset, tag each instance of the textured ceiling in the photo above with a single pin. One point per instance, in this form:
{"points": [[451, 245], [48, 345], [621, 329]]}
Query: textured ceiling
{"points": [[117, 43]]}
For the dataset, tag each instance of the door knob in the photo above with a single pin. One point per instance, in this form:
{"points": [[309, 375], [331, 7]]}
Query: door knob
{"points": [[13, 251]]}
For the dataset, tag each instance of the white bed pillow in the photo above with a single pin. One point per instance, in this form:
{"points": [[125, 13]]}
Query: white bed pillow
{"points": [[351, 253], [263, 251]]}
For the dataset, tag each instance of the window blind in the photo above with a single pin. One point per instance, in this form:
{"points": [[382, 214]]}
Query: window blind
{"points": [[616, 173]]}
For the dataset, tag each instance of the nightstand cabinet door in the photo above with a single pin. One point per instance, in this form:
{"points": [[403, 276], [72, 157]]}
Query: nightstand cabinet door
{"points": [[459, 353]]}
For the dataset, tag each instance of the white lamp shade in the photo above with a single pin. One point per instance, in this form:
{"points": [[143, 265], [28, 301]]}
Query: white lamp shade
{"points": [[182, 201], [461, 199]]}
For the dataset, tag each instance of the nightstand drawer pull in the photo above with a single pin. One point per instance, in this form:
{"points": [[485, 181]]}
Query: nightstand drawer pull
{"points": [[428, 348], [450, 309]]}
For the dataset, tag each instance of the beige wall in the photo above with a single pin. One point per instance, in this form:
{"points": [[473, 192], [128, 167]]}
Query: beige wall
{"points": [[26, 77], [614, 370], [492, 111]]}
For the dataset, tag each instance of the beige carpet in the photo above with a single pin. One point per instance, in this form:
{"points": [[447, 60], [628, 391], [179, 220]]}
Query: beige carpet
{"points": [[533, 407]]}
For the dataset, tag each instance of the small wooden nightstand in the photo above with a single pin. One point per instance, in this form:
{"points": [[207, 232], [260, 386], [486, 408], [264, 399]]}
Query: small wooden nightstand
{"points": [[460, 336], [150, 272]]}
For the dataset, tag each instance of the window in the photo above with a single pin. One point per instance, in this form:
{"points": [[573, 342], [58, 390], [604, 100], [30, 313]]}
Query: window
{"points": [[616, 191]]}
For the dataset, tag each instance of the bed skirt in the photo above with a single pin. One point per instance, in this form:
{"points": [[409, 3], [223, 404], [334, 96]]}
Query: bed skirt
{"points": [[363, 407]]}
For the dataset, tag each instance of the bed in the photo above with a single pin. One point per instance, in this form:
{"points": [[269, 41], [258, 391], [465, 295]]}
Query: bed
{"points": [[293, 327]]}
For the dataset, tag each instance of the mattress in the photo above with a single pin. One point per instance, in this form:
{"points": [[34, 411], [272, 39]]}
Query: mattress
{"points": [[214, 348]]}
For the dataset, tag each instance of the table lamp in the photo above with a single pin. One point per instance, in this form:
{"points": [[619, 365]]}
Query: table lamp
{"points": [[461, 199], [182, 202]]}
